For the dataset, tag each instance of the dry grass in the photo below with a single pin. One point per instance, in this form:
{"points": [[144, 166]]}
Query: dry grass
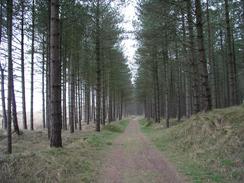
{"points": [[209, 142], [34, 161]]}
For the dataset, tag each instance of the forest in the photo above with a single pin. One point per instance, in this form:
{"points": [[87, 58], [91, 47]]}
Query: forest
{"points": [[122, 91]]}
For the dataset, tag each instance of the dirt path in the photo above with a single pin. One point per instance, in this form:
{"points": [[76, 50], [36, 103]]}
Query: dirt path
{"points": [[133, 159]]}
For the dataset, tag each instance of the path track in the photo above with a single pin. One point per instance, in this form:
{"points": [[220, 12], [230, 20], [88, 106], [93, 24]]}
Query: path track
{"points": [[133, 159]]}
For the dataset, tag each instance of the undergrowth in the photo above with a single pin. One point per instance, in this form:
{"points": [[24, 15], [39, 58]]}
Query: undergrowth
{"points": [[208, 147], [77, 161]]}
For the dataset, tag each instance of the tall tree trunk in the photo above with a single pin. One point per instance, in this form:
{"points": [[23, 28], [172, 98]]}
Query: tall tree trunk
{"points": [[56, 110], [194, 69], [32, 66], [166, 82], [80, 102], [114, 106], [231, 64], [76, 105], [92, 117], [166, 94], [87, 103], [178, 83], [206, 95], [43, 85], [64, 94], [156, 90], [121, 106], [211, 59], [98, 67], [110, 107], [24, 120], [72, 98], [1, 20], [103, 94], [10, 71], [187, 72], [3, 98], [14, 109], [225, 99], [48, 83]]}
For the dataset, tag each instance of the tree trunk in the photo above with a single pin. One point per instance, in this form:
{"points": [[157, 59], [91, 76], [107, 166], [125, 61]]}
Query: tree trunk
{"points": [[64, 93], [103, 94], [56, 110], [231, 64], [166, 95], [187, 72], [211, 59], [32, 66], [206, 95], [110, 107], [98, 68], [3, 98], [1, 20], [80, 102], [194, 69], [92, 117], [72, 98], [23, 66], [166, 82], [43, 85], [178, 83], [48, 87], [76, 105], [87, 103], [10, 71], [14, 109]]}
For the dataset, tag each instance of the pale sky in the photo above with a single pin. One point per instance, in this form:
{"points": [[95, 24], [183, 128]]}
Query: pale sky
{"points": [[129, 44]]}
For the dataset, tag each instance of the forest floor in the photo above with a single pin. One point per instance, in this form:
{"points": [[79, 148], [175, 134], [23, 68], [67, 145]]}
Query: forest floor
{"points": [[208, 147], [133, 158], [78, 161]]}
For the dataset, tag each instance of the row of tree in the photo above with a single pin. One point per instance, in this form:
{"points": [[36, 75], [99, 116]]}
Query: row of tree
{"points": [[83, 68], [190, 56]]}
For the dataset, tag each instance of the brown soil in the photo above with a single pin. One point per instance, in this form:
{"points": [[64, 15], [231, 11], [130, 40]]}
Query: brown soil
{"points": [[133, 159]]}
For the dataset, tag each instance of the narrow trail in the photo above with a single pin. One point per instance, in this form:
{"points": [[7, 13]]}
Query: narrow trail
{"points": [[134, 159]]}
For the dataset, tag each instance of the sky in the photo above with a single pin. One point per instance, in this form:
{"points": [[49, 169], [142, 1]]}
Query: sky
{"points": [[130, 44]]}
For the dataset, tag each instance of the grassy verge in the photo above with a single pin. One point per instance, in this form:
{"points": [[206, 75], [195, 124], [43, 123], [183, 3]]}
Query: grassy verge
{"points": [[77, 161], [208, 147]]}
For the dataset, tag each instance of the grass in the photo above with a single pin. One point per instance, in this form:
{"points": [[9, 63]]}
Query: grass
{"points": [[208, 147], [78, 161]]}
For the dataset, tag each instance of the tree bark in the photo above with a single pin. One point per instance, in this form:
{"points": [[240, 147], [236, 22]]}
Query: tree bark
{"points": [[48, 83], [98, 68], [32, 66], [187, 72], [14, 109], [64, 94], [43, 85], [24, 120], [211, 59], [72, 98], [3, 98], [231, 64], [56, 110], [194, 69], [10, 72], [206, 95]]}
